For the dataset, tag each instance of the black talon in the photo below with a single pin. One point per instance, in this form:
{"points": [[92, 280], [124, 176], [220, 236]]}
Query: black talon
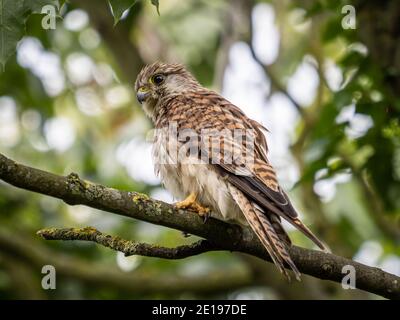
{"points": [[205, 217]]}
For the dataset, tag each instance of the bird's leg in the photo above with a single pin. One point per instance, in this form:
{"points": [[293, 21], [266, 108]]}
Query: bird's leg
{"points": [[191, 204]]}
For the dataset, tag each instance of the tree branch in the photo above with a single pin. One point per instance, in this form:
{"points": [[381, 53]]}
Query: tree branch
{"points": [[275, 82], [127, 247], [225, 236], [102, 275]]}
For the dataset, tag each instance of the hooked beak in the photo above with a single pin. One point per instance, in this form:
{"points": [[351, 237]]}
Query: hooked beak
{"points": [[142, 94]]}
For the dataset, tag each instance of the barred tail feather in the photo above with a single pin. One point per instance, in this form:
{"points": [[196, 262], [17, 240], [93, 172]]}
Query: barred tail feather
{"points": [[277, 242], [277, 225], [265, 231]]}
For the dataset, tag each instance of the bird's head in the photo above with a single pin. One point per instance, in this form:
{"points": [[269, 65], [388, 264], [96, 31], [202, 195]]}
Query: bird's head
{"points": [[159, 80]]}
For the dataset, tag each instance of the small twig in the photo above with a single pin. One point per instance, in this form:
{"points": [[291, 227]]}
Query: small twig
{"points": [[128, 247], [19, 246], [274, 80]]}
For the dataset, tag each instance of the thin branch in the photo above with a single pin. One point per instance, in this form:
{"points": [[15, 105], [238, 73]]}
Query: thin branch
{"points": [[235, 20], [74, 190], [267, 70], [127, 247], [31, 251], [275, 82]]}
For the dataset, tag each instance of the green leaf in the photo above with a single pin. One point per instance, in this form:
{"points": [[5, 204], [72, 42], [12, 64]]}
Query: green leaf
{"points": [[156, 3], [119, 7], [37, 5], [12, 20], [61, 3], [13, 16]]}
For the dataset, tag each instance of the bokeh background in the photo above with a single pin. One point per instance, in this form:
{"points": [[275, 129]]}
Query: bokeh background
{"points": [[329, 96]]}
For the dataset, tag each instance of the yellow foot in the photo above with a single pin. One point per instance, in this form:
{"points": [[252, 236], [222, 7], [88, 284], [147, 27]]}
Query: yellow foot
{"points": [[187, 203], [190, 204]]}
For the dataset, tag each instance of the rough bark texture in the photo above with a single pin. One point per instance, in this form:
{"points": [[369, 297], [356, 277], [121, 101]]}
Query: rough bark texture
{"points": [[18, 249], [129, 248], [219, 235]]}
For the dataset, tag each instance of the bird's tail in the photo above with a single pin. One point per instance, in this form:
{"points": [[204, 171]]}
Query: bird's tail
{"points": [[263, 228]]}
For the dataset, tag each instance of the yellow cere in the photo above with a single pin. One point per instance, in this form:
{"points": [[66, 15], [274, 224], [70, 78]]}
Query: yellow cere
{"points": [[142, 89]]}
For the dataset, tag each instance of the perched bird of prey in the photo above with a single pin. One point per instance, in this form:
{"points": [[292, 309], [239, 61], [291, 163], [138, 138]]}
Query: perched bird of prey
{"points": [[209, 153]]}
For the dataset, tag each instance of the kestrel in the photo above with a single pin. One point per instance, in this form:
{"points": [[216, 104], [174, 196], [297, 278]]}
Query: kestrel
{"points": [[208, 152]]}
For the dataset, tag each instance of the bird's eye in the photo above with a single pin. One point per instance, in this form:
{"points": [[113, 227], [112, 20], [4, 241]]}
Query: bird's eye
{"points": [[157, 79]]}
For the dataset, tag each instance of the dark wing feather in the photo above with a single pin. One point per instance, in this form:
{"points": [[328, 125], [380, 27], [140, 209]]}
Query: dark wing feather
{"points": [[256, 179], [260, 198], [279, 198]]}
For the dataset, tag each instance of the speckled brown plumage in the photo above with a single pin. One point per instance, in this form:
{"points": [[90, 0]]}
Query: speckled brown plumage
{"points": [[230, 172]]}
